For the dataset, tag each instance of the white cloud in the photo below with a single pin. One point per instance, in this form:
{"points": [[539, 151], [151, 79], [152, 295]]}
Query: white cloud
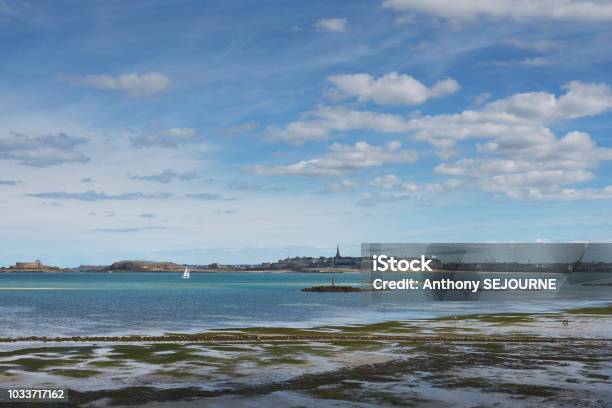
{"points": [[387, 181], [209, 197], [42, 151], [371, 199], [337, 25], [342, 159], [568, 10], [524, 62], [134, 84], [181, 133], [407, 187], [170, 138], [535, 45], [520, 118], [319, 123], [246, 186], [519, 114], [399, 190], [340, 186], [536, 62], [91, 195], [537, 170], [482, 98], [516, 153], [567, 194], [520, 156], [581, 99], [239, 129], [390, 89], [166, 176]]}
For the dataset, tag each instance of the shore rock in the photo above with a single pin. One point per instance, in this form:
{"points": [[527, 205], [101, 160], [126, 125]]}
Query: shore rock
{"points": [[332, 288]]}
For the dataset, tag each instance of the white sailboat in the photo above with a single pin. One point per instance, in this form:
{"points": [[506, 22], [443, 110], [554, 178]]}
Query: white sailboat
{"points": [[186, 273]]}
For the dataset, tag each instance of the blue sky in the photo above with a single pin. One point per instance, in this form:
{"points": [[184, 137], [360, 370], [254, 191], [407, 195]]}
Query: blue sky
{"points": [[234, 131]]}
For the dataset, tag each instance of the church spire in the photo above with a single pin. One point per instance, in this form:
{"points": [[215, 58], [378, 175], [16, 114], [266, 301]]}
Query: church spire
{"points": [[338, 251]]}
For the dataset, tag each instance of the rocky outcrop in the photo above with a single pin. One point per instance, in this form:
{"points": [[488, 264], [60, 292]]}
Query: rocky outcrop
{"points": [[145, 266], [332, 288]]}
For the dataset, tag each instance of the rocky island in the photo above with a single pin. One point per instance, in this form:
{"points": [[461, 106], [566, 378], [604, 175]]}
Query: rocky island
{"points": [[145, 266], [332, 288]]}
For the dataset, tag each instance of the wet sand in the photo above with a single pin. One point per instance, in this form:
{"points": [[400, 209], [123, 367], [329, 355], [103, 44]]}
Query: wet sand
{"points": [[507, 359]]}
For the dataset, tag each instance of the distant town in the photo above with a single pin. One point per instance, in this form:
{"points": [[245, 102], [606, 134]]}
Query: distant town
{"points": [[336, 263]]}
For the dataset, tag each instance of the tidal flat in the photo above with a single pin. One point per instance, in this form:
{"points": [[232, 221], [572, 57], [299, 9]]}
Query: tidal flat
{"points": [[506, 360]]}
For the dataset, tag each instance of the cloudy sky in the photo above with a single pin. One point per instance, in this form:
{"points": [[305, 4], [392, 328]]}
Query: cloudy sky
{"points": [[201, 131]]}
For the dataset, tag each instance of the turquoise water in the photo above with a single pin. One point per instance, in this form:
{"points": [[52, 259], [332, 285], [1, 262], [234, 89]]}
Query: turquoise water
{"points": [[60, 304]]}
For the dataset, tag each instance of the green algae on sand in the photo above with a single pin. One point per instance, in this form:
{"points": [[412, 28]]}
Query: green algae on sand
{"points": [[600, 311]]}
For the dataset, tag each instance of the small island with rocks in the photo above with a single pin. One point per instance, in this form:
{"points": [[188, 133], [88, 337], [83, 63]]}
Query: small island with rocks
{"points": [[332, 288]]}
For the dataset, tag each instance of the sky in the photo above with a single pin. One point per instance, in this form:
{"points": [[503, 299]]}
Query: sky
{"points": [[238, 131]]}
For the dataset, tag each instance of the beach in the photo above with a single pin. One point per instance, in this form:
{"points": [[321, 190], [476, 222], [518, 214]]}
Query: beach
{"points": [[521, 359]]}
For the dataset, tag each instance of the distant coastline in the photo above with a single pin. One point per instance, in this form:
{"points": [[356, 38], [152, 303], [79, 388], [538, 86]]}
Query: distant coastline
{"points": [[321, 264], [308, 264], [151, 266]]}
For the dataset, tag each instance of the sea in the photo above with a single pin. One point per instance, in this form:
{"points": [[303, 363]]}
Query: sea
{"points": [[125, 303]]}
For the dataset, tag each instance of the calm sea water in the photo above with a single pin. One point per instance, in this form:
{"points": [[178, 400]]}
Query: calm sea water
{"points": [[59, 304]]}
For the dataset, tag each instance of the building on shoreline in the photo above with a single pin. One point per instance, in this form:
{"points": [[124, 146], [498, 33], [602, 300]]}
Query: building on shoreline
{"points": [[29, 265], [308, 262], [37, 265]]}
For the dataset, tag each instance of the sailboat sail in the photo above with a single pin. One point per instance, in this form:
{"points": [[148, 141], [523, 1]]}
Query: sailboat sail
{"points": [[186, 273]]}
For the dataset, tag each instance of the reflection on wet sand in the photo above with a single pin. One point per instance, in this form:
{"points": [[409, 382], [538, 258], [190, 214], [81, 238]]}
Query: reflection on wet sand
{"points": [[513, 359]]}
